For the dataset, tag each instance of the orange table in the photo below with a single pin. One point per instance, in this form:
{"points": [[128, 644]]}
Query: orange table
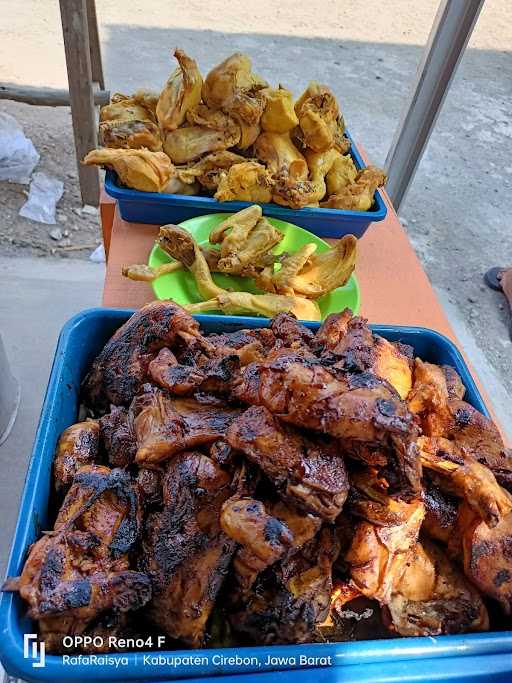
{"points": [[394, 286]]}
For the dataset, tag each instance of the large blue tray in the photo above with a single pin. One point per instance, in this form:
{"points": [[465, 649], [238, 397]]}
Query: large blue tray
{"points": [[160, 208], [80, 341]]}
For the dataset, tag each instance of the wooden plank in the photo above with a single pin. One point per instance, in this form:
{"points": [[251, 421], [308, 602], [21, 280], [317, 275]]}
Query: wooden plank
{"points": [[47, 97], [94, 44], [78, 62]]}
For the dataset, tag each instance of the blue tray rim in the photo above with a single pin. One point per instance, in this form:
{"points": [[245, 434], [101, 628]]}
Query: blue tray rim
{"points": [[128, 195], [342, 653]]}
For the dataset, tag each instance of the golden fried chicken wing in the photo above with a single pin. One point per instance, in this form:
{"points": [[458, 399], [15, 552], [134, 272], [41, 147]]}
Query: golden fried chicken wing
{"points": [[139, 169], [359, 195], [246, 249], [342, 173], [126, 108], [279, 154], [181, 93], [246, 182]]}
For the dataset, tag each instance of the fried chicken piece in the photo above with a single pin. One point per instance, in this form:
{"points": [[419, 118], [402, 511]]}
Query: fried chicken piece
{"points": [[313, 275], [246, 182], [180, 245], [181, 93], [234, 88], [246, 249], [342, 173], [191, 142], [279, 115], [215, 376], [240, 224], [78, 445], [130, 135], [139, 169], [165, 426], [381, 544], [487, 556], [319, 117], [297, 192], [279, 154], [309, 473], [117, 437], [208, 170], [432, 598], [120, 369], [127, 108], [81, 569], [267, 305], [292, 598], [141, 272], [465, 476], [359, 195], [185, 551]]}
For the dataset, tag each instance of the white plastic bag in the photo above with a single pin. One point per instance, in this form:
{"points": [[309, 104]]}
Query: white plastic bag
{"points": [[98, 255], [43, 196], [18, 156]]}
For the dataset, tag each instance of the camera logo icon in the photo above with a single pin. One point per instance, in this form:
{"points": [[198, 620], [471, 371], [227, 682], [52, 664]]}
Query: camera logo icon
{"points": [[33, 649]]}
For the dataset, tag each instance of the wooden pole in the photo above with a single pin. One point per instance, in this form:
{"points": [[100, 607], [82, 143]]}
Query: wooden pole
{"points": [[94, 44], [46, 97], [78, 61]]}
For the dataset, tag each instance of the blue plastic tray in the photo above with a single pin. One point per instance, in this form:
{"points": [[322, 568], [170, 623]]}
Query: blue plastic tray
{"points": [[80, 341], [159, 208]]}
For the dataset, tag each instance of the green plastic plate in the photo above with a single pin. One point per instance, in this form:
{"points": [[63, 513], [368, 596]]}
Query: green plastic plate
{"points": [[180, 286]]}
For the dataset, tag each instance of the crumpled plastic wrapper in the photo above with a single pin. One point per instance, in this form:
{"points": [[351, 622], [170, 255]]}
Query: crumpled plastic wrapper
{"points": [[43, 196], [18, 156]]}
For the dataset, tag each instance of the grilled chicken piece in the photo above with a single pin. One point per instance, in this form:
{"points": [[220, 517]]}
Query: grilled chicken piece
{"points": [[466, 477], [185, 551], [487, 554], [216, 375], [81, 569], [380, 547], [332, 330], [433, 598], [165, 426], [266, 532], [150, 486], [290, 333], [117, 437], [249, 345], [119, 371], [77, 446], [311, 474], [290, 599], [358, 407], [358, 351], [441, 510]]}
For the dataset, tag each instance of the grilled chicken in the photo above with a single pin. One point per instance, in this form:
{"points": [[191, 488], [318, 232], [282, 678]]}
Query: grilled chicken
{"points": [[117, 437], [215, 376], [81, 569], [292, 598], [77, 446], [185, 551], [120, 369], [358, 407], [165, 426], [432, 597], [487, 555], [380, 547], [266, 534], [309, 473]]}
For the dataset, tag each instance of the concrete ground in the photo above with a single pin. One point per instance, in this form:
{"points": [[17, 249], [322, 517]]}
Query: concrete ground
{"points": [[368, 53]]}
